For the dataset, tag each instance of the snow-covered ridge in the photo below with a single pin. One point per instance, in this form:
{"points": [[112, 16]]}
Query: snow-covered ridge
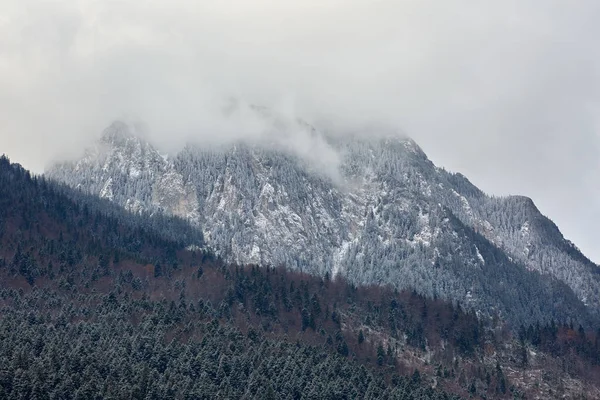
{"points": [[380, 212]]}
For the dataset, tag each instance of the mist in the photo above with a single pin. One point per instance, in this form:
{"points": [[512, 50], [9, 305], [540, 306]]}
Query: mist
{"points": [[505, 92]]}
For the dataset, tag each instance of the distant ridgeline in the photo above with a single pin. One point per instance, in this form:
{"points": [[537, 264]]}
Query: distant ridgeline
{"points": [[97, 302], [381, 214]]}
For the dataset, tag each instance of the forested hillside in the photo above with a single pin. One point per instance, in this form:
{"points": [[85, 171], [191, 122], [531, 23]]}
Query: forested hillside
{"points": [[94, 304]]}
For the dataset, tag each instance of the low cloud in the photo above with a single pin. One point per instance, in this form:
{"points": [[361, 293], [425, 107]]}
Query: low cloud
{"points": [[506, 92]]}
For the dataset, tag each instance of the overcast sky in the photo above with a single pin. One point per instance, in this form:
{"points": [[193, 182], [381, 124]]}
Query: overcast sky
{"points": [[506, 92]]}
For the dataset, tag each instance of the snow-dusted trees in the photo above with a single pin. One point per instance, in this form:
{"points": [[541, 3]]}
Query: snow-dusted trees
{"points": [[386, 216]]}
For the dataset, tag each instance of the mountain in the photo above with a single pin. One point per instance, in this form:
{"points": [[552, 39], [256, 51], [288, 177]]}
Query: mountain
{"points": [[382, 213], [95, 304]]}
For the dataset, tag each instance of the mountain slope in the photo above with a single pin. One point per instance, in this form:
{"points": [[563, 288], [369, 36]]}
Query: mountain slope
{"points": [[386, 215], [516, 225]]}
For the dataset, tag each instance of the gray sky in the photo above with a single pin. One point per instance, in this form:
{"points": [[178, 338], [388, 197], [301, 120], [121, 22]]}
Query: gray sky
{"points": [[506, 92]]}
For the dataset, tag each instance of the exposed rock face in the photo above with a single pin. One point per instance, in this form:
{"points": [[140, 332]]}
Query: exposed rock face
{"points": [[126, 169]]}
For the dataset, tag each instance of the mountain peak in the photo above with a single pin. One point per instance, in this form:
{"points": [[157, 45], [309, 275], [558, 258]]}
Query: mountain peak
{"points": [[388, 216], [120, 132]]}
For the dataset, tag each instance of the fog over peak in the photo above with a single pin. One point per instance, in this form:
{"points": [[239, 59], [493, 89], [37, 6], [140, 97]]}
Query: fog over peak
{"points": [[507, 93]]}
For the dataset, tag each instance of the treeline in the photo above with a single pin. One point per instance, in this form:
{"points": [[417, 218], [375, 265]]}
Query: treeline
{"points": [[111, 346]]}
